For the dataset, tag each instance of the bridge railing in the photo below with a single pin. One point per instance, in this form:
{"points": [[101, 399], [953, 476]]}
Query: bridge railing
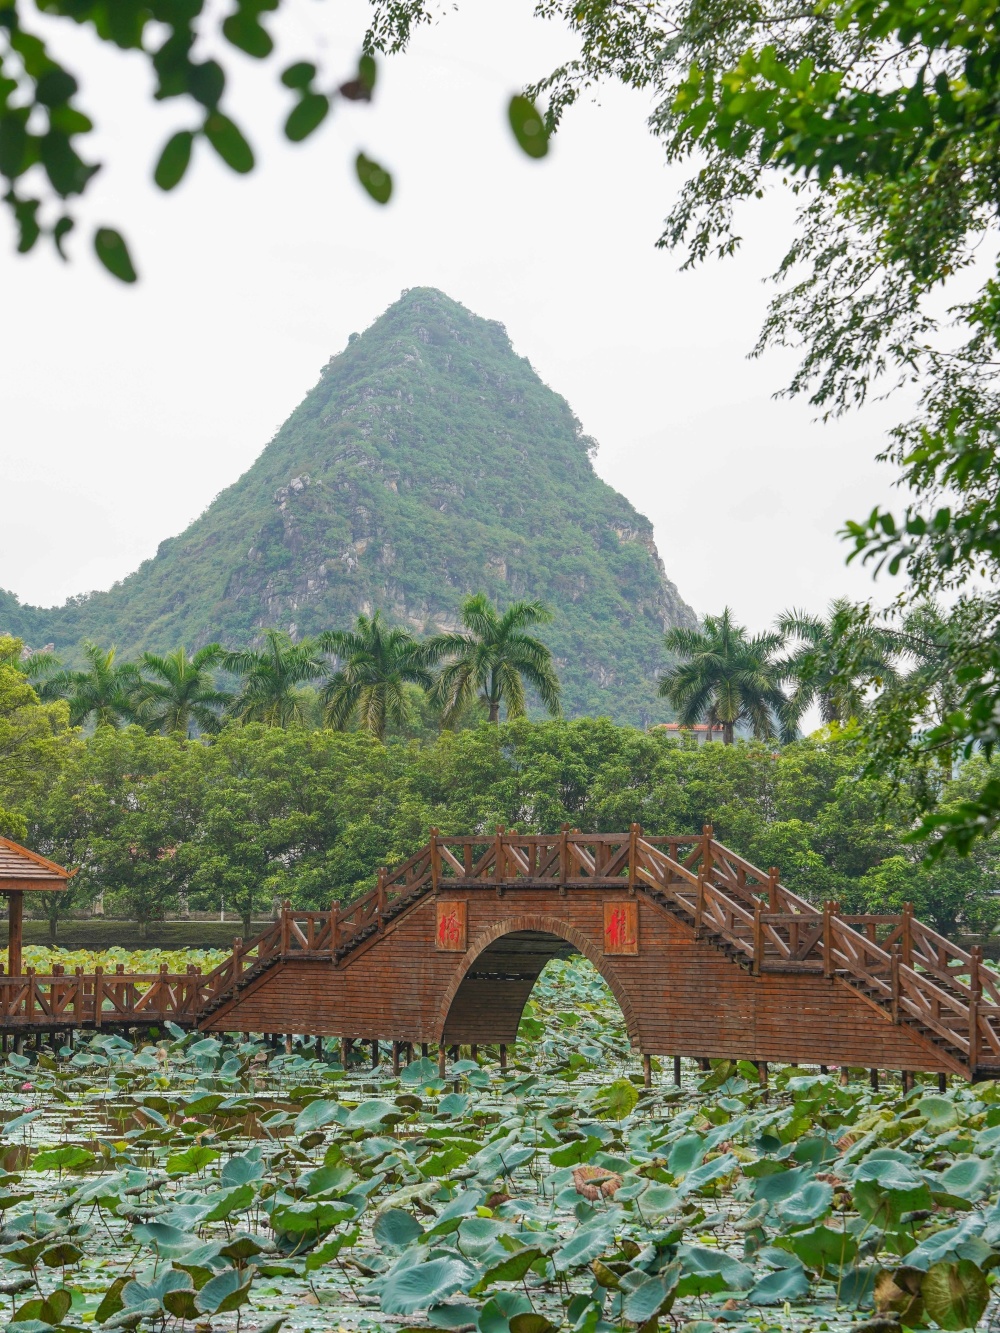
{"points": [[99, 998], [902, 963]]}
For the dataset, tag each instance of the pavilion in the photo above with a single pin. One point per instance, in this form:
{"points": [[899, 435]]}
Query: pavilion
{"points": [[23, 871]]}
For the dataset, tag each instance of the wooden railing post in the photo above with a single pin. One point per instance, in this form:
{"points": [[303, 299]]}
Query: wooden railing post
{"points": [[334, 930], [382, 904], [772, 889], [908, 934], [699, 903], [894, 981], [286, 926], [706, 849], [435, 860], [828, 939], [498, 856], [976, 987], [98, 995], [563, 853], [758, 939], [29, 972], [633, 840]]}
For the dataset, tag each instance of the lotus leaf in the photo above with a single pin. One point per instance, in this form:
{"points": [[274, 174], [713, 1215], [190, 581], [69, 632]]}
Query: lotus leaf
{"points": [[318, 1113], [496, 1314], [686, 1154], [940, 1112], [651, 1297], [372, 1113], [807, 1204], [969, 1178], [787, 1284], [420, 1285], [396, 1229], [955, 1294]]}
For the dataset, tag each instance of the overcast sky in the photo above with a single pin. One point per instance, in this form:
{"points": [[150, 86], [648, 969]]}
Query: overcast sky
{"points": [[125, 410]]}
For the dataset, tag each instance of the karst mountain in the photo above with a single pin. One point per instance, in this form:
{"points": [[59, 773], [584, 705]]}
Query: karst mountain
{"points": [[428, 462]]}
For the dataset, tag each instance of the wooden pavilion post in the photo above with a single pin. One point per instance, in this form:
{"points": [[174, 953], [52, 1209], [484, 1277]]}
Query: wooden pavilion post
{"points": [[15, 931]]}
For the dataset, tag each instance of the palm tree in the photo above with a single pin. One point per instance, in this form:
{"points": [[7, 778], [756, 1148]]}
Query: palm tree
{"points": [[836, 659], [369, 687], [182, 691], [105, 693], [492, 658], [727, 678], [272, 677]]}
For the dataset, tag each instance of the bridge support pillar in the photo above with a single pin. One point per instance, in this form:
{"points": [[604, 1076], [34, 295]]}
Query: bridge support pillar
{"points": [[442, 1060], [503, 1058], [647, 1071], [375, 1055], [873, 1079], [395, 1058], [677, 1071], [942, 1082], [762, 1073], [845, 1076], [288, 1043], [906, 1078]]}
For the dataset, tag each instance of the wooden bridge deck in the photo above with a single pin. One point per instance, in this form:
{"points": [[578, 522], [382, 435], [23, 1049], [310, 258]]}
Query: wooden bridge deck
{"points": [[707, 955]]}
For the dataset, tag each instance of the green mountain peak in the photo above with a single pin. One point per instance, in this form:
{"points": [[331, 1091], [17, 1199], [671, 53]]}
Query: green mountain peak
{"points": [[428, 462]]}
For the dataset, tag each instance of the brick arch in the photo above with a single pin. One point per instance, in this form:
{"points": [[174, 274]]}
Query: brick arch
{"points": [[550, 925]]}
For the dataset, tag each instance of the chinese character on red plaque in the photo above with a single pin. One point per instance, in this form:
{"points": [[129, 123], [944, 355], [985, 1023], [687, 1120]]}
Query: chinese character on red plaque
{"points": [[621, 927], [451, 927]]}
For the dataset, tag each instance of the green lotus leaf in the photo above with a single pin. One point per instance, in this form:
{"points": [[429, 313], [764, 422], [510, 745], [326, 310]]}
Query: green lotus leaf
{"points": [[969, 1178], [318, 1113], [807, 1204], [421, 1285], [955, 1294], [649, 1298], [787, 1284], [396, 1229], [941, 1113]]}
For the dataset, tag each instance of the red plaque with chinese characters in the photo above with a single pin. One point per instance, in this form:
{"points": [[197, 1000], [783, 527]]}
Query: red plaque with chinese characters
{"points": [[451, 927], [621, 927]]}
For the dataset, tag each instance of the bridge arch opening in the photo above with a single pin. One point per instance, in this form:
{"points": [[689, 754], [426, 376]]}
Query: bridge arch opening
{"points": [[486, 1000]]}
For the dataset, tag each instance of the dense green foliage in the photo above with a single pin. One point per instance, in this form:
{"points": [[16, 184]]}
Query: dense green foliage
{"points": [[259, 813], [429, 463]]}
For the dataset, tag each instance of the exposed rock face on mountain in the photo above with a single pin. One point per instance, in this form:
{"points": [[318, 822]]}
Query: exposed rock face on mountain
{"points": [[429, 461]]}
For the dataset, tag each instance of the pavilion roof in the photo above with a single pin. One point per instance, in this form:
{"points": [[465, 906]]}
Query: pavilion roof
{"points": [[24, 869]]}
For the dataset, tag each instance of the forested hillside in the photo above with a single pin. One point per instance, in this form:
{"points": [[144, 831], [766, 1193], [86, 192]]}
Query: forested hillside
{"points": [[429, 461]]}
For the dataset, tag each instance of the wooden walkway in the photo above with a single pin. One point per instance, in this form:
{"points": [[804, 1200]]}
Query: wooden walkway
{"points": [[707, 955]]}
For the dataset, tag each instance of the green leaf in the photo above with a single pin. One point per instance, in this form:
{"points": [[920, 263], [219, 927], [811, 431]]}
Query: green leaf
{"points": [[67, 1157], [191, 1159], [649, 1298], [326, 1253], [306, 116], [318, 1113], [806, 1205], [299, 75], [822, 1247], [111, 250], [528, 126], [617, 1100], [579, 1150], [510, 1270], [787, 1284], [174, 160], [112, 1301], [969, 1178], [231, 1201], [370, 1114], [228, 141], [375, 179], [396, 1229], [941, 1113], [530, 1322], [425, 1284], [955, 1295]]}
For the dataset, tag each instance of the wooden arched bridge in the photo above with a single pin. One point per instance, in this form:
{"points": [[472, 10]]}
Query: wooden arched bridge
{"points": [[707, 955]]}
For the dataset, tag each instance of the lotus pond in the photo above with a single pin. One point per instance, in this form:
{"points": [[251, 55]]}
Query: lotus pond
{"points": [[195, 1184]]}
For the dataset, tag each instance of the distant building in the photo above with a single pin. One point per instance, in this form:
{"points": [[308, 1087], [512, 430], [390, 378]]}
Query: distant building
{"points": [[703, 732]]}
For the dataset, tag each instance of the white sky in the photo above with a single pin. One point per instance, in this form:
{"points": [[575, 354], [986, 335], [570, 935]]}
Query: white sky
{"points": [[123, 411]]}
